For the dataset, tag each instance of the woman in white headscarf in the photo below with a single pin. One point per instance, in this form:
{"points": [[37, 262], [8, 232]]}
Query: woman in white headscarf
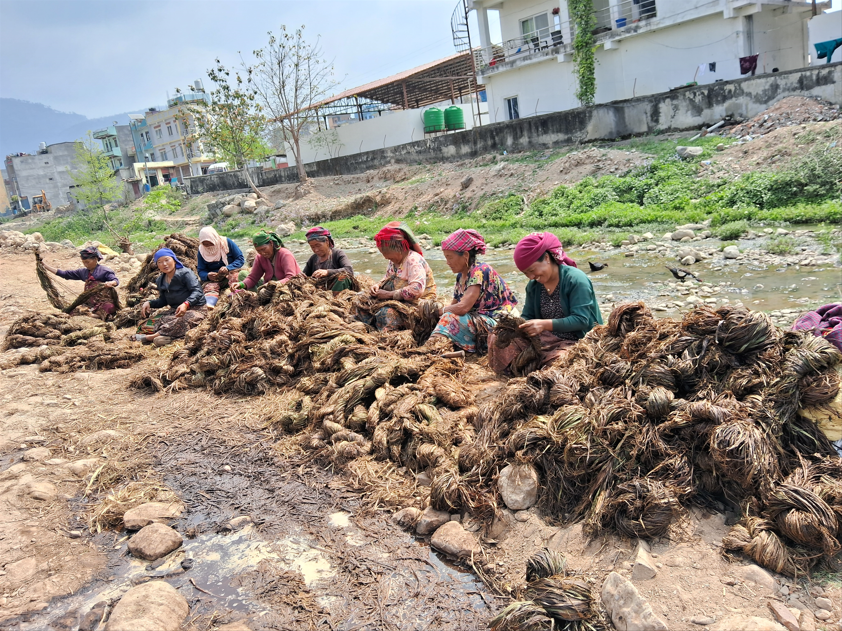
{"points": [[219, 259]]}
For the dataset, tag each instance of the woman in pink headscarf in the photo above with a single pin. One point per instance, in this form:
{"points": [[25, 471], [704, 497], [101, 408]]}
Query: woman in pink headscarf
{"points": [[480, 295], [560, 305]]}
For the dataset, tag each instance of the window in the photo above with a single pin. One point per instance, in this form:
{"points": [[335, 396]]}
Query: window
{"points": [[158, 133], [163, 155], [512, 108], [46, 163], [536, 26], [169, 130], [147, 136], [152, 156]]}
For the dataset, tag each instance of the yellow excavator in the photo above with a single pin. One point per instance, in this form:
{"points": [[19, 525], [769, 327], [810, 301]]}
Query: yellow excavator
{"points": [[40, 204]]}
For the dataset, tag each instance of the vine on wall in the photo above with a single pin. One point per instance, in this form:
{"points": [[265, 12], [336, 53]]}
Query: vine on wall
{"points": [[584, 21]]}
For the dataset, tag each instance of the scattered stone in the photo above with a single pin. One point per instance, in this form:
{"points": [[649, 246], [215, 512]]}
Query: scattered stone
{"points": [[154, 541], [467, 181], [248, 205], [522, 516], [824, 603], [154, 605], [628, 610], [731, 252], [688, 152], [151, 512], [759, 576], [500, 525], [36, 455], [430, 521], [407, 517], [702, 620], [746, 623], [90, 620], [54, 462], [688, 260], [644, 566], [285, 228], [74, 534], [423, 479], [81, 468], [43, 491], [823, 614], [678, 235], [781, 231], [230, 210], [234, 626], [454, 540], [239, 522], [101, 436], [21, 571], [783, 615], [518, 486]]}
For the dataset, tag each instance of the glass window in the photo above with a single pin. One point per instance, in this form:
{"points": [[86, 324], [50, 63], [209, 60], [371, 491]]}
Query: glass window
{"points": [[536, 26], [163, 155], [512, 108], [158, 133], [169, 130]]}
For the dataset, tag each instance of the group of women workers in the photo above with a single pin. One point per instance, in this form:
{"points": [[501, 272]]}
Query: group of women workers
{"points": [[560, 305]]}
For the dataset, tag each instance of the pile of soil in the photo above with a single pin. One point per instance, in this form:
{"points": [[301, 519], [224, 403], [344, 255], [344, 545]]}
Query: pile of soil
{"points": [[792, 110]]}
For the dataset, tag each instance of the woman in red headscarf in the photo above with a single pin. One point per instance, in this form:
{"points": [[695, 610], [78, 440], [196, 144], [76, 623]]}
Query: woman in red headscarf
{"points": [[480, 295], [408, 276], [560, 304]]}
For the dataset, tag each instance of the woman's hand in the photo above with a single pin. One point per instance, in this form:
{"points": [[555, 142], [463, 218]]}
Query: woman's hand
{"points": [[51, 270], [536, 327], [145, 308], [181, 310], [213, 276], [319, 273], [382, 294], [111, 283]]}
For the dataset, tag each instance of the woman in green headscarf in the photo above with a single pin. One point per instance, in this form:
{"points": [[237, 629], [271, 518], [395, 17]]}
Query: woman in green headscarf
{"points": [[274, 261]]}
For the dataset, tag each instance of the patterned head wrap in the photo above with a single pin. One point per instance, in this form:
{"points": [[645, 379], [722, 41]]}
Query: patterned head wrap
{"points": [[532, 247], [218, 251], [397, 235], [91, 252], [319, 234], [263, 237], [169, 253], [464, 241]]}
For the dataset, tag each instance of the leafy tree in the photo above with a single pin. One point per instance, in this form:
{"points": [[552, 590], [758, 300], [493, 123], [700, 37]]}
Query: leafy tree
{"points": [[290, 78], [233, 124], [584, 22]]}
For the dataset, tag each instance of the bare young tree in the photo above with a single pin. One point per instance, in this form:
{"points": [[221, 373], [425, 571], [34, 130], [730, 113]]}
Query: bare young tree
{"points": [[289, 78]]}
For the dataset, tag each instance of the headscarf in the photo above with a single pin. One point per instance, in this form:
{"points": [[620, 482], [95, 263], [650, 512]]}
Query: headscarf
{"points": [[90, 252], [218, 251], [169, 253], [532, 247], [319, 234], [264, 236], [398, 235], [464, 241]]}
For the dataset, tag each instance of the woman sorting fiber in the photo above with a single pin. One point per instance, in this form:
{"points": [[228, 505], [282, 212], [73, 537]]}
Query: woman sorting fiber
{"points": [[93, 274], [480, 295], [274, 262], [327, 259], [408, 276], [178, 289], [219, 260], [560, 305]]}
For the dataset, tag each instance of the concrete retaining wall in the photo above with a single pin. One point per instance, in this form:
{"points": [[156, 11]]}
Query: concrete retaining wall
{"points": [[689, 108]]}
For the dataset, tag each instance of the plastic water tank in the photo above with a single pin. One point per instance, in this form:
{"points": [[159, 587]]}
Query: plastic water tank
{"points": [[433, 120], [454, 118]]}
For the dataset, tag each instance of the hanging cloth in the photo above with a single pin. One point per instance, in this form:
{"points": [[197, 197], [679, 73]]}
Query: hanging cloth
{"points": [[712, 66], [748, 64], [826, 49]]}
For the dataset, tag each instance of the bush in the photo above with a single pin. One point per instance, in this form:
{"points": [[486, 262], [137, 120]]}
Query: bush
{"points": [[783, 244], [731, 230]]}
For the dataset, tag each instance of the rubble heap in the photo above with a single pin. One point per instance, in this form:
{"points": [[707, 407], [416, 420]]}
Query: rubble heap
{"points": [[792, 110]]}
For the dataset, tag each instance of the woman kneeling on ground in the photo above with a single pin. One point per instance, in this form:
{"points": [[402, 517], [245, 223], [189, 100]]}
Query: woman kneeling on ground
{"points": [[274, 262], [178, 289], [560, 305], [480, 293], [94, 275], [219, 260], [327, 259], [408, 276]]}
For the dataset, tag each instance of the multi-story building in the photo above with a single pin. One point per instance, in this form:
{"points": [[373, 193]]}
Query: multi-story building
{"points": [[118, 145], [48, 170], [643, 47], [5, 206]]}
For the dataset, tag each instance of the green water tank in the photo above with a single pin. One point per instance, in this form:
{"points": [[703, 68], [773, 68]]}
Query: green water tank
{"points": [[433, 120], [454, 118]]}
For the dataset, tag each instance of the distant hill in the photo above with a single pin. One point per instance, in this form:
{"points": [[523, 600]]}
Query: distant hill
{"points": [[24, 124]]}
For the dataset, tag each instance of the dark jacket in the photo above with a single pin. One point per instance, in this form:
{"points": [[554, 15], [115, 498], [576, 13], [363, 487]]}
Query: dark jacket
{"points": [[338, 261], [235, 261], [183, 287], [577, 299]]}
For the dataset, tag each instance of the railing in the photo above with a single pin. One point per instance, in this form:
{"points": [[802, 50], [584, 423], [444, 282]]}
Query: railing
{"points": [[610, 21], [189, 97]]}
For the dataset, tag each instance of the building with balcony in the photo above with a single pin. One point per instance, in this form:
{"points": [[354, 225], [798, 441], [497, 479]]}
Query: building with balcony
{"points": [[643, 47], [118, 145]]}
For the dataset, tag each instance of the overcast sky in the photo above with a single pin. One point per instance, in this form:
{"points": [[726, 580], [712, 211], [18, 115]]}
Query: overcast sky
{"points": [[103, 57]]}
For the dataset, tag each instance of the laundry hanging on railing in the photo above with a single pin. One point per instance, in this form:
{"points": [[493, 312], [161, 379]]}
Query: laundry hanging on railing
{"points": [[712, 66], [826, 49], [748, 64]]}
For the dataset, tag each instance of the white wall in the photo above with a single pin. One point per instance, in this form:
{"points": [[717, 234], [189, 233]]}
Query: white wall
{"points": [[822, 28], [397, 128]]}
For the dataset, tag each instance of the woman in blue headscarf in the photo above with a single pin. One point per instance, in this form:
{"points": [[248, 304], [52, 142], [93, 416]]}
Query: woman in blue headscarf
{"points": [[178, 289]]}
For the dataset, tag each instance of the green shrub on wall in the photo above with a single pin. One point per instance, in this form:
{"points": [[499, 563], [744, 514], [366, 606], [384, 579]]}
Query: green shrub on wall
{"points": [[584, 21]]}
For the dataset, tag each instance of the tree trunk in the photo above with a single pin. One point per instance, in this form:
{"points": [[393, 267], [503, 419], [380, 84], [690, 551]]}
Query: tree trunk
{"points": [[299, 165], [252, 184]]}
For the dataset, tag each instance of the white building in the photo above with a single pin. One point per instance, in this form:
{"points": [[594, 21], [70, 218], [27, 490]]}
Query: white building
{"points": [[643, 47]]}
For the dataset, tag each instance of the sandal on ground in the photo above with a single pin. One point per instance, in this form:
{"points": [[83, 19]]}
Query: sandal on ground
{"points": [[162, 340], [140, 337]]}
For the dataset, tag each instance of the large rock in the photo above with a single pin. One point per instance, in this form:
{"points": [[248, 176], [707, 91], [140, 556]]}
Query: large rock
{"points": [[285, 228], [101, 436], [151, 512], [628, 610], [230, 210], [757, 575], [248, 205], [678, 235], [689, 152], [430, 521], [41, 490], [746, 623], [644, 566], [36, 454], [153, 606], [81, 468], [154, 541], [407, 517], [731, 252], [518, 486], [454, 540]]}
